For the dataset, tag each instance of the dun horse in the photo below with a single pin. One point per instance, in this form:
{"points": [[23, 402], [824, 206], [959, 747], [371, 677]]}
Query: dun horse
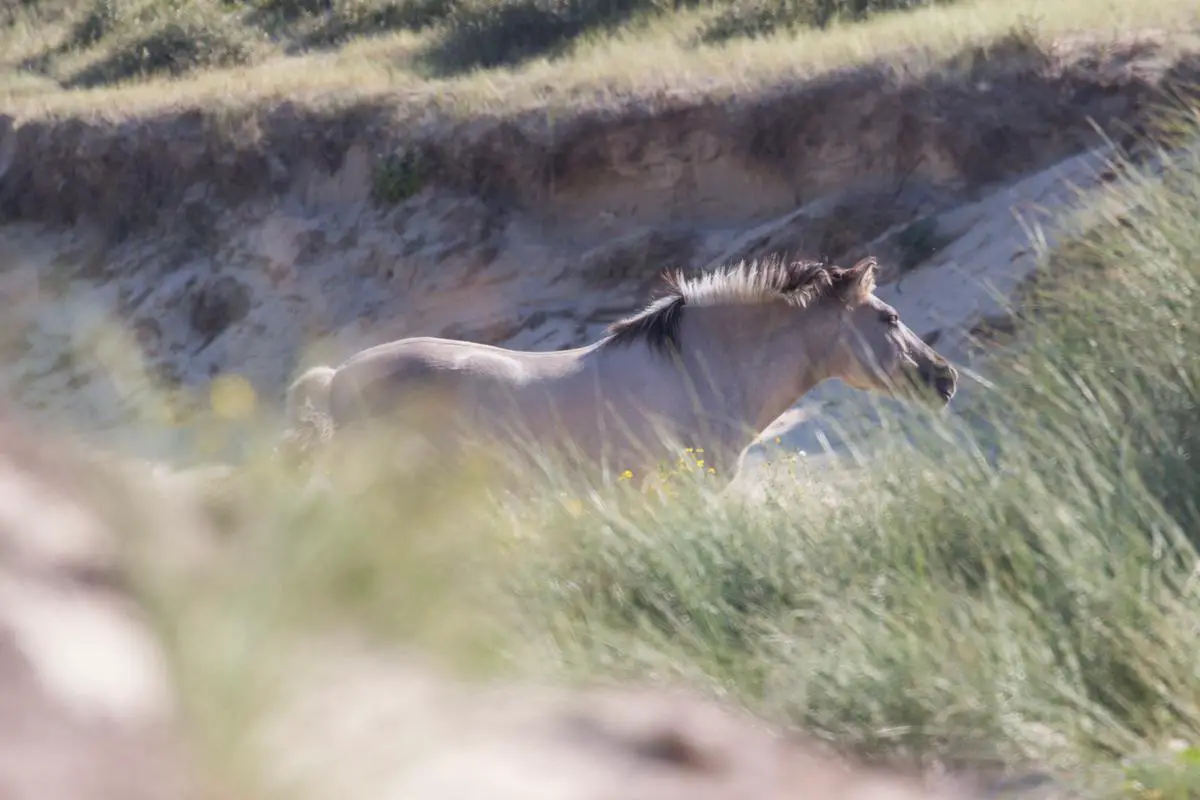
{"points": [[709, 365]]}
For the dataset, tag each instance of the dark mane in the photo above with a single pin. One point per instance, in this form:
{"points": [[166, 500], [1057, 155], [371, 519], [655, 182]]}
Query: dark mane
{"points": [[796, 282], [657, 325]]}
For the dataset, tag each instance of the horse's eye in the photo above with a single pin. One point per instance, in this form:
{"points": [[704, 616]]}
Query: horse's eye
{"points": [[891, 319]]}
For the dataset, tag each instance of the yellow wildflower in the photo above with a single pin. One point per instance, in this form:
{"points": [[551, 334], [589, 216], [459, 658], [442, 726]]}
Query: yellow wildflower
{"points": [[232, 397]]}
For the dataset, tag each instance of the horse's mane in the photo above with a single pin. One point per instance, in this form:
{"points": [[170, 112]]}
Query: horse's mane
{"points": [[798, 283]]}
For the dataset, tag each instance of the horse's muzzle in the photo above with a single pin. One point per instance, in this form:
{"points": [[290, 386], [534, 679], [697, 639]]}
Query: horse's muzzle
{"points": [[941, 377]]}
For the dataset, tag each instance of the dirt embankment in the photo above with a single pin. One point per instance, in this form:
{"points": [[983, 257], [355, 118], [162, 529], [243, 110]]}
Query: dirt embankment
{"points": [[972, 122], [237, 241]]}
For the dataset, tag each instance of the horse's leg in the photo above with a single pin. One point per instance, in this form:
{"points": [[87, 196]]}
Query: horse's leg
{"points": [[728, 480]]}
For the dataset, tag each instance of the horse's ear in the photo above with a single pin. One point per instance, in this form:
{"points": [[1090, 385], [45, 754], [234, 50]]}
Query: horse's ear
{"points": [[857, 282], [865, 270]]}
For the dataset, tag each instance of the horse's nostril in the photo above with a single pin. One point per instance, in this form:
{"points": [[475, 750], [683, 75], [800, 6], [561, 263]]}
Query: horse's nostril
{"points": [[940, 376]]}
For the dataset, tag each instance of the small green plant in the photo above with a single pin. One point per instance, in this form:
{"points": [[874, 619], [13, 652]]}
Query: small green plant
{"points": [[398, 176], [917, 242]]}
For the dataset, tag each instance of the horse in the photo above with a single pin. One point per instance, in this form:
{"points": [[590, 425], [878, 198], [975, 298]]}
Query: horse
{"points": [[708, 365]]}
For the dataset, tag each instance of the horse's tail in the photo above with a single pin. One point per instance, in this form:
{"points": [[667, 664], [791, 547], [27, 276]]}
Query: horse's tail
{"points": [[307, 415]]}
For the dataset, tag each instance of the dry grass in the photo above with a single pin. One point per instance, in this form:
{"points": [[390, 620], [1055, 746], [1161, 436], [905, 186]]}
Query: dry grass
{"points": [[657, 57]]}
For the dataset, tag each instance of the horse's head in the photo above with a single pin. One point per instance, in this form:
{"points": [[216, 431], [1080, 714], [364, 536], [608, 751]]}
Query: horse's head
{"points": [[874, 350]]}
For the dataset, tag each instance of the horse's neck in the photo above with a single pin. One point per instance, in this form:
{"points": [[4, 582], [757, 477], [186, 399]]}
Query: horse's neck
{"points": [[751, 362]]}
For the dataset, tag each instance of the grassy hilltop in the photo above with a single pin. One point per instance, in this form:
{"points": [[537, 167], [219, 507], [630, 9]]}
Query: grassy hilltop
{"points": [[1029, 599], [492, 54]]}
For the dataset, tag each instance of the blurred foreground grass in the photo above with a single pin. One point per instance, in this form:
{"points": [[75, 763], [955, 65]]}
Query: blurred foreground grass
{"points": [[1028, 597]]}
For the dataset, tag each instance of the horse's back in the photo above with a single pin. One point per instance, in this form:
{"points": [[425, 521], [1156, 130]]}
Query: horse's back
{"points": [[378, 380], [446, 373]]}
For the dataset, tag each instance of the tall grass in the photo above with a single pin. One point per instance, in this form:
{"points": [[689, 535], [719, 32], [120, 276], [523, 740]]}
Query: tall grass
{"points": [[1036, 602]]}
